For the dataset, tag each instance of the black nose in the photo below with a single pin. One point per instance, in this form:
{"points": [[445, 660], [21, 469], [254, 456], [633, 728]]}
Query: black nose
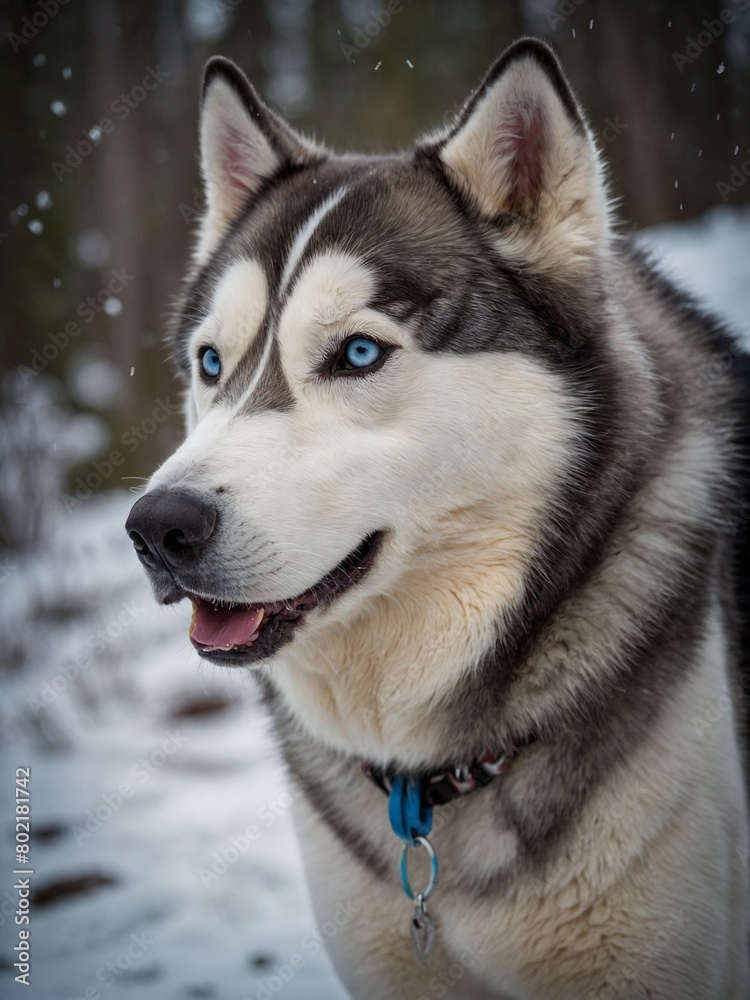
{"points": [[167, 527]]}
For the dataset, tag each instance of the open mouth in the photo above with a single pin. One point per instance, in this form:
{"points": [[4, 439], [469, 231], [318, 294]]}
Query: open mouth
{"points": [[228, 633]]}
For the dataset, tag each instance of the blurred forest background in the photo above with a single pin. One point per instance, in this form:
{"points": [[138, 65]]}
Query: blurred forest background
{"points": [[101, 190], [100, 202]]}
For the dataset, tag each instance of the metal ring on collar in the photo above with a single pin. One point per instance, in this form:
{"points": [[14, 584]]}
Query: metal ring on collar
{"points": [[425, 893]]}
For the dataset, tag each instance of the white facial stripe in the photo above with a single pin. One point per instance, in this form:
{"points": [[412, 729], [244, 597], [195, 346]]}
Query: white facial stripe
{"points": [[258, 371], [301, 240], [237, 310], [241, 299], [304, 235]]}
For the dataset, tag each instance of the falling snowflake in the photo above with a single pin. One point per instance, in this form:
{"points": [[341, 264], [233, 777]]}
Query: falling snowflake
{"points": [[113, 306]]}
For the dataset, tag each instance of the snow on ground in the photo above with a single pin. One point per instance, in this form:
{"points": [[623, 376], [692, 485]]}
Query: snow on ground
{"points": [[164, 860], [186, 812], [710, 258]]}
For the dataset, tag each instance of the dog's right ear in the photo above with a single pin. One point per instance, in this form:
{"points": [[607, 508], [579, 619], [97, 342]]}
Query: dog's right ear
{"points": [[520, 151], [243, 144]]}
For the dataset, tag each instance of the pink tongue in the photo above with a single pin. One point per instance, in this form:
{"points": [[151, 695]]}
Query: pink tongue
{"points": [[218, 627]]}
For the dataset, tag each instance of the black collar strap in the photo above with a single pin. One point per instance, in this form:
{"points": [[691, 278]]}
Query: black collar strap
{"points": [[442, 787]]}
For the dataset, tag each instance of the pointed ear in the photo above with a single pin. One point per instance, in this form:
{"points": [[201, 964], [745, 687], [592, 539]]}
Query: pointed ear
{"points": [[243, 144], [521, 148]]}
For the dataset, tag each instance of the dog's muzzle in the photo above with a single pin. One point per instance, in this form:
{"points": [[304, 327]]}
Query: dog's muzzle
{"points": [[175, 533], [170, 527]]}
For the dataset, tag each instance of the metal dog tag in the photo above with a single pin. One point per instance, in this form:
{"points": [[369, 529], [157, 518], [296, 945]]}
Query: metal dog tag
{"points": [[422, 935]]}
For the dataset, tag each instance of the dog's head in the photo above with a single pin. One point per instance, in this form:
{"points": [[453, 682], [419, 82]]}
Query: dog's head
{"points": [[390, 372]]}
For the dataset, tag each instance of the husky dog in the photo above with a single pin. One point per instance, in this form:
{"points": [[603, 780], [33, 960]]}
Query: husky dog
{"points": [[457, 483]]}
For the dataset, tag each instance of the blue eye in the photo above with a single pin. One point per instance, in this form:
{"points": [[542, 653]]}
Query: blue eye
{"points": [[211, 363], [361, 352]]}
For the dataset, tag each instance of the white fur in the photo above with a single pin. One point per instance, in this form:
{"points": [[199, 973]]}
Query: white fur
{"points": [[340, 425], [239, 305]]}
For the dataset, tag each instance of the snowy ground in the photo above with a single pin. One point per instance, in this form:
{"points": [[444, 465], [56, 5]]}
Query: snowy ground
{"points": [[148, 768], [164, 861], [710, 258]]}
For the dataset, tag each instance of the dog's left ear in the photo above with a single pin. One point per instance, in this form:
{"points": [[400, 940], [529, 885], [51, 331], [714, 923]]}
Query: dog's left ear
{"points": [[521, 148], [244, 146]]}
